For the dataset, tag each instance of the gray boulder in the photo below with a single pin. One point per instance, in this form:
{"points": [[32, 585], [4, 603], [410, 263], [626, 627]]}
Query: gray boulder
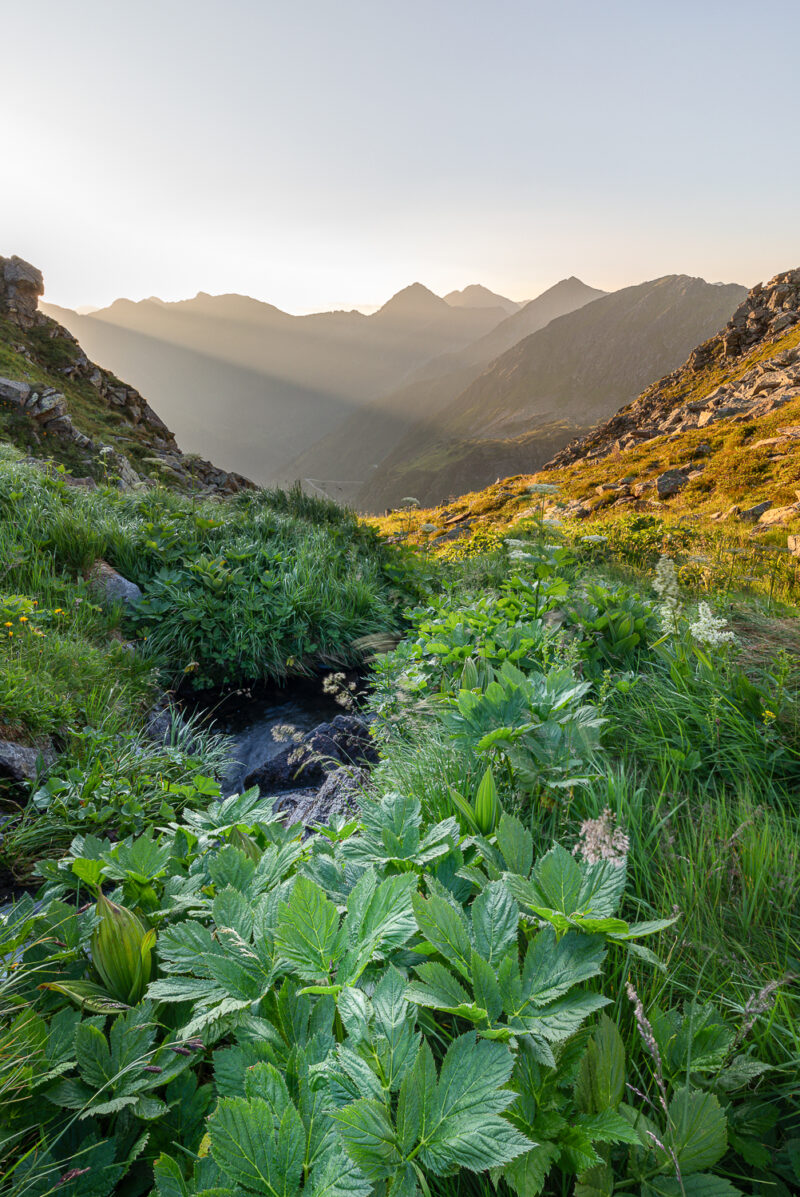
{"points": [[751, 514], [110, 586], [343, 741], [19, 763], [670, 482]]}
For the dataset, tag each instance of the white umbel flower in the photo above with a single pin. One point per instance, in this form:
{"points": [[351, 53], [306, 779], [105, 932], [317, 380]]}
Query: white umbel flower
{"points": [[709, 630]]}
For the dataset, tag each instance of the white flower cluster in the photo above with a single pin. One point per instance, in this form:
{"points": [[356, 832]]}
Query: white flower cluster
{"points": [[665, 585], [600, 839], [707, 629]]}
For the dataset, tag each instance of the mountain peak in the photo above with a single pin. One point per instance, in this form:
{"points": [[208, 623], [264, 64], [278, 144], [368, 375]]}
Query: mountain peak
{"points": [[477, 296], [414, 300]]}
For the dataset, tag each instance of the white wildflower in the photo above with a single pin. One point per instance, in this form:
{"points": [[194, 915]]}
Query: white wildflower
{"points": [[707, 629], [600, 839]]}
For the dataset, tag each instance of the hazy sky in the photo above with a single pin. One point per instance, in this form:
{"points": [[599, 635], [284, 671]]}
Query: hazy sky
{"points": [[321, 153]]}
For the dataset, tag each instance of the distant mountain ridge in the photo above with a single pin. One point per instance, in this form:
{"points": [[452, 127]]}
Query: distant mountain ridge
{"points": [[478, 296], [360, 443], [550, 387], [256, 385]]}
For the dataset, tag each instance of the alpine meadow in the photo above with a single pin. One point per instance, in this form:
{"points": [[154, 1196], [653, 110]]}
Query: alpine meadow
{"points": [[400, 759]]}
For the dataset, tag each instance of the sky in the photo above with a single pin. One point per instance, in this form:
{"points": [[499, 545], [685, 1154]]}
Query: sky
{"points": [[320, 154]]}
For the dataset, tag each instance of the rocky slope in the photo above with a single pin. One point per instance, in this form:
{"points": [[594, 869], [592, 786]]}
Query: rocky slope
{"points": [[58, 405], [733, 375], [714, 444], [550, 387]]}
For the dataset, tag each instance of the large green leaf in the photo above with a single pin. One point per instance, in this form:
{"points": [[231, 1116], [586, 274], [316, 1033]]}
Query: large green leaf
{"points": [[495, 917], [259, 1146], [698, 1130], [308, 936], [601, 1077], [445, 929]]}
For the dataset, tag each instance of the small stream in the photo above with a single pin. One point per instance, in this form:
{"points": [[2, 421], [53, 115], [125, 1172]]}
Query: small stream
{"points": [[249, 715]]}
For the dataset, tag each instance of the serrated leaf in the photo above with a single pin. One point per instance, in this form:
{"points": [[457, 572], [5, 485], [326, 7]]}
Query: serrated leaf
{"points": [[601, 1077], [308, 937], [527, 1173], [560, 1019], [485, 987], [445, 929], [698, 1130], [595, 1182], [257, 1148], [232, 910], [437, 987], [516, 843], [495, 917], [369, 1138], [552, 967], [416, 1099]]}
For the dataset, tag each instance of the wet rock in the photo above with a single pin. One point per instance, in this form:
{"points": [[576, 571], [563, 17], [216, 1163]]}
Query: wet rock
{"points": [[289, 769], [336, 797], [346, 738], [110, 586], [343, 741], [20, 763]]}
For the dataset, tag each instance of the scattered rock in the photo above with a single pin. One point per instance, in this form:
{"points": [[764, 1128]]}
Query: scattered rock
{"points": [[780, 515], [670, 482], [793, 545], [110, 585], [19, 763], [754, 513], [767, 311], [343, 741]]}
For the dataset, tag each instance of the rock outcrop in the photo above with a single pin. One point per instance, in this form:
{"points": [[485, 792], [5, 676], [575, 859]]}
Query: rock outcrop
{"points": [[672, 405], [48, 408], [20, 287]]}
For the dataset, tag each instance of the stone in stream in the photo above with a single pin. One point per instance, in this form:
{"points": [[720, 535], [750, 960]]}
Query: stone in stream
{"points": [[343, 741], [337, 796]]}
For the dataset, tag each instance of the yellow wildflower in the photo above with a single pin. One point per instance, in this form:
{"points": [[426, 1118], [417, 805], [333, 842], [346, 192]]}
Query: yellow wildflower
{"points": [[23, 619], [8, 624]]}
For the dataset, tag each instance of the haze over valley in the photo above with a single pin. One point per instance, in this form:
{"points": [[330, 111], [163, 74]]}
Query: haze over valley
{"points": [[426, 396]]}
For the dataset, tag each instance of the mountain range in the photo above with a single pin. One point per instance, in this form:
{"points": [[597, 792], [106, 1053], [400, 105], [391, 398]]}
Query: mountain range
{"points": [[255, 385], [550, 387], [429, 396]]}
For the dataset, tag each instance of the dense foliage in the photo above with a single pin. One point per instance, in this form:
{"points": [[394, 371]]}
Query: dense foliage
{"points": [[551, 951]]}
